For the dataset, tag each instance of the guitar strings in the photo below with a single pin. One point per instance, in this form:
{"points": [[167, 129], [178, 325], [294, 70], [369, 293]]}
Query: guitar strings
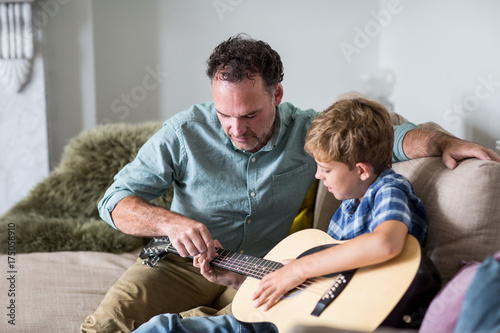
{"points": [[258, 267]]}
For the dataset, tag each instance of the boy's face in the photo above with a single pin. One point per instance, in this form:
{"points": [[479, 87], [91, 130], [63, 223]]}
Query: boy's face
{"points": [[343, 183]]}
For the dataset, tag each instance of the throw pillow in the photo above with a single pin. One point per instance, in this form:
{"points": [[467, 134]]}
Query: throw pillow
{"points": [[444, 310], [481, 307]]}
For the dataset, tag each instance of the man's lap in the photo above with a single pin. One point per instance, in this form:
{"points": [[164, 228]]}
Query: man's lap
{"points": [[142, 292]]}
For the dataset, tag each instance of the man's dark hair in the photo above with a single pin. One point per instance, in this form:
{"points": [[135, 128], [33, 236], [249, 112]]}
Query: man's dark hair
{"points": [[242, 57]]}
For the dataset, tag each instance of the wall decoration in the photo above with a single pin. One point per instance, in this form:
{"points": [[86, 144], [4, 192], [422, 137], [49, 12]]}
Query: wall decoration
{"points": [[16, 44]]}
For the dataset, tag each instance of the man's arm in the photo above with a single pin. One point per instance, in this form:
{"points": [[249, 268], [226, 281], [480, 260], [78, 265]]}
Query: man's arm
{"points": [[424, 142], [135, 216], [126, 206]]}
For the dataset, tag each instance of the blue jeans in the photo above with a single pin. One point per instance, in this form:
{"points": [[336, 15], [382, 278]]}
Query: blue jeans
{"points": [[170, 322]]}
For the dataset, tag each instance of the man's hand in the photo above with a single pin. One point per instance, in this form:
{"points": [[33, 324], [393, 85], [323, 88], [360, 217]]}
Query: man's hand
{"points": [[456, 150], [135, 216], [424, 142], [217, 275], [190, 238]]}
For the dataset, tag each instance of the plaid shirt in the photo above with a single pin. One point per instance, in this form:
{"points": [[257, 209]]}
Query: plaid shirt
{"points": [[390, 197]]}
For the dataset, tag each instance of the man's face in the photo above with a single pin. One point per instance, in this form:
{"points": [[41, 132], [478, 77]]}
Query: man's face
{"points": [[246, 111]]}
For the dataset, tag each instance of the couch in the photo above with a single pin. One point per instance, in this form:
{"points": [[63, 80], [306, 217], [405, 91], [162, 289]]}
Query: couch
{"points": [[58, 259]]}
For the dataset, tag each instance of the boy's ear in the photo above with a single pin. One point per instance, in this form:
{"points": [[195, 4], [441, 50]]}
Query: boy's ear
{"points": [[364, 171]]}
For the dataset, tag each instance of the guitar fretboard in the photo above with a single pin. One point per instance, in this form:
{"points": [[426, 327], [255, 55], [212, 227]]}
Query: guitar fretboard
{"points": [[240, 263], [245, 264]]}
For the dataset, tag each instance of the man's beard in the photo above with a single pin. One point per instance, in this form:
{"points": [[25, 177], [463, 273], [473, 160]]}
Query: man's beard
{"points": [[258, 141]]}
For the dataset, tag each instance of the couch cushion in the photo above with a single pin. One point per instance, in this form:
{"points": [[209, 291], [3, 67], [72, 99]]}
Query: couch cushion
{"points": [[54, 292], [305, 215]]}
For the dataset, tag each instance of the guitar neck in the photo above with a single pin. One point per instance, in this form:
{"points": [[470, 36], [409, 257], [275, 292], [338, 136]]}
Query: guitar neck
{"points": [[245, 264], [240, 263]]}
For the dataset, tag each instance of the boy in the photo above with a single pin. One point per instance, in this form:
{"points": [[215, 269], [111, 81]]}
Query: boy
{"points": [[352, 142]]}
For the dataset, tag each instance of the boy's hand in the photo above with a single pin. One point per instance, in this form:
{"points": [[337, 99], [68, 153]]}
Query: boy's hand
{"points": [[276, 284]]}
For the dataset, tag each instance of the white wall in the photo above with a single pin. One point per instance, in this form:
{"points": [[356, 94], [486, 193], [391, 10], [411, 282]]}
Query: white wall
{"points": [[69, 58], [24, 155], [24, 152], [126, 42], [174, 38], [446, 58], [133, 61], [306, 34], [103, 57]]}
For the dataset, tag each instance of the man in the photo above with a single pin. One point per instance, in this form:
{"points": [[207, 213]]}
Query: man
{"points": [[239, 173]]}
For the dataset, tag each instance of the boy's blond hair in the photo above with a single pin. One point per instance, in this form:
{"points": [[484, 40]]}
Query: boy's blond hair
{"points": [[352, 131]]}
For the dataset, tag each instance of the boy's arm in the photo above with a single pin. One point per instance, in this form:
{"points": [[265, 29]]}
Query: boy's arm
{"points": [[384, 243]]}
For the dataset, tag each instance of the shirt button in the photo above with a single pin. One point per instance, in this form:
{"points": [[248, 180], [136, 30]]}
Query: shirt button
{"points": [[241, 251], [252, 194], [249, 221], [253, 159]]}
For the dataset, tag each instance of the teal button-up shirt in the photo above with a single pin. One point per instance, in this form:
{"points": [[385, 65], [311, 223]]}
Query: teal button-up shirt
{"points": [[247, 200]]}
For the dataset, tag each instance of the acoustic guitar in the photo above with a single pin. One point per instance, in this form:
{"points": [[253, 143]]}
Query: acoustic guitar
{"points": [[395, 293]]}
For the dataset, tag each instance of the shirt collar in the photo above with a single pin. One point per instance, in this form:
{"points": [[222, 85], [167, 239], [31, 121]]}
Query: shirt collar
{"points": [[276, 133]]}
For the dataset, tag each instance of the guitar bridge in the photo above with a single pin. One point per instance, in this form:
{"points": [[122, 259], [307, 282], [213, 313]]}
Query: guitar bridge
{"points": [[335, 290]]}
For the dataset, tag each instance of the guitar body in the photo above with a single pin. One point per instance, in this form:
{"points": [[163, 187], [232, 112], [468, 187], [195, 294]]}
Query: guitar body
{"points": [[369, 297]]}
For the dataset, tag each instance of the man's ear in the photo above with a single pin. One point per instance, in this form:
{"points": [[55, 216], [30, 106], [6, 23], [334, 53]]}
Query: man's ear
{"points": [[364, 171], [278, 94]]}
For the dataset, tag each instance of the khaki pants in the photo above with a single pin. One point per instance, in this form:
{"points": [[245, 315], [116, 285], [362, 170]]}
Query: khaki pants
{"points": [[173, 286]]}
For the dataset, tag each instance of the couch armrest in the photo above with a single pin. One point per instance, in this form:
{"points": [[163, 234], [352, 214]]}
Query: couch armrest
{"points": [[462, 207]]}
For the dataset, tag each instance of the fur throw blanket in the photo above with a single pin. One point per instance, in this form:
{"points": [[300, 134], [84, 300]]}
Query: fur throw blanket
{"points": [[60, 213]]}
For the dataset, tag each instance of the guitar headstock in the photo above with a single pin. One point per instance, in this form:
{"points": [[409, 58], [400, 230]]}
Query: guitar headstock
{"points": [[156, 249]]}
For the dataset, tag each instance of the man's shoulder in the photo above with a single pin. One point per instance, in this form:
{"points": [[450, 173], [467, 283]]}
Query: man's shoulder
{"points": [[289, 113], [202, 113]]}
